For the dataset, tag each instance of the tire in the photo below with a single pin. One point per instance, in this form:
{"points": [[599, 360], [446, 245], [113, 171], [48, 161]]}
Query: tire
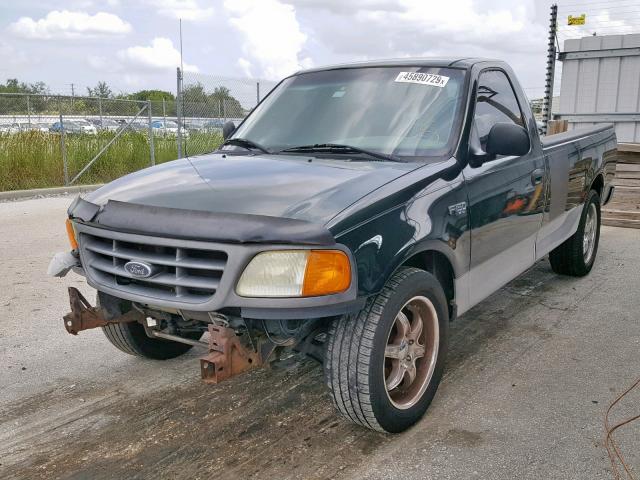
{"points": [[577, 254], [131, 338], [358, 367]]}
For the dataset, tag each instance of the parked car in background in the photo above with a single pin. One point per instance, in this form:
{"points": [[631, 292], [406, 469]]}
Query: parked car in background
{"points": [[40, 127], [9, 128], [194, 125], [86, 126], [106, 124], [69, 126], [213, 125], [17, 127], [167, 127]]}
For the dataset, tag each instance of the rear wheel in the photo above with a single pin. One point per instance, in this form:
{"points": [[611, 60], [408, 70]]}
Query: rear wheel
{"points": [[383, 365], [577, 254]]}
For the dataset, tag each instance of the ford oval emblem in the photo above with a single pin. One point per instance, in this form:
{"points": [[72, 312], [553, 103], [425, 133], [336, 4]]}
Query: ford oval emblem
{"points": [[139, 269]]}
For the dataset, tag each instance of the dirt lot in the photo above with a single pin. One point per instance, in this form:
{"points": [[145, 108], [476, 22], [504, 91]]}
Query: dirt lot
{"points": [[530, 374]]}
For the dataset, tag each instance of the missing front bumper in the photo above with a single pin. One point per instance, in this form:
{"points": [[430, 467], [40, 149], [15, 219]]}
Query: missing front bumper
{"points": [[84, 317]]}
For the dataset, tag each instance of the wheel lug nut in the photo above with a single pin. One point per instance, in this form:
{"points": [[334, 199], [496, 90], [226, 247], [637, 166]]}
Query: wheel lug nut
{"points": [[410, 342]]}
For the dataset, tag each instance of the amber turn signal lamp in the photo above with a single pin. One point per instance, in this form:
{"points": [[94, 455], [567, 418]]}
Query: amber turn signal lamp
{"points": [[327, 272], [71, 234]]}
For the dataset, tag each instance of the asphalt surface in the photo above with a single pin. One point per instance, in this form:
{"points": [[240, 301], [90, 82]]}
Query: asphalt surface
{"points": [[530, 374]]}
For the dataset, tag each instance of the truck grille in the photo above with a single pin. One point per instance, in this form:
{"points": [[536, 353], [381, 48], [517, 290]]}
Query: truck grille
{"points": [[190, 275]]}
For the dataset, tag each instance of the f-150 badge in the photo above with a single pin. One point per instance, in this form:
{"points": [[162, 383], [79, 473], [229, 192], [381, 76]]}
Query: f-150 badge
{"points": [[458, 209]]}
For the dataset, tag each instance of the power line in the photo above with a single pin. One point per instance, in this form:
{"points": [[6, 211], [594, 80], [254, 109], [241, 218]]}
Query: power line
{"points": [[582, 4]]}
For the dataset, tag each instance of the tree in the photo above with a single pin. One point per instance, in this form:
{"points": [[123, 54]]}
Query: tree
{"points": [[153, 95], [101, 90], [194, 93], [18, 103], [218, 103]]}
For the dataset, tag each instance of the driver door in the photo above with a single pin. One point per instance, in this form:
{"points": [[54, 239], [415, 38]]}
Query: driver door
{"points": [[505, 195]]}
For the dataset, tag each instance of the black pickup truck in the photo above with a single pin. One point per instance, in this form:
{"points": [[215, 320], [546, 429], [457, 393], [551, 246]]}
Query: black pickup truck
{"points": [[351, 216]]}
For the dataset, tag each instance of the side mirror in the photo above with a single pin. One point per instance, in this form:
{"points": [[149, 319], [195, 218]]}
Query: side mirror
{"points": [[507, 139], [227, 129], [504, 139]]}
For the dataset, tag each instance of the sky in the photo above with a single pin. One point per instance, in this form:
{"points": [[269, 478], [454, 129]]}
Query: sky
{"points": [[134, 44]]}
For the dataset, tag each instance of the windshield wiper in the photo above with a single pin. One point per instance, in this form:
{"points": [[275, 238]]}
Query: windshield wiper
{"points": [[337, 148], [246, 143]]}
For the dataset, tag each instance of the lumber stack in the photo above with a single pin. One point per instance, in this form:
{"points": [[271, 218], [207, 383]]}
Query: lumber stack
{"points": [[624, 208]]}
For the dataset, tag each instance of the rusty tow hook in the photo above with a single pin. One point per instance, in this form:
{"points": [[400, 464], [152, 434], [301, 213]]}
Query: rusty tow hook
{"points": [[83, 316], [229, 357]]}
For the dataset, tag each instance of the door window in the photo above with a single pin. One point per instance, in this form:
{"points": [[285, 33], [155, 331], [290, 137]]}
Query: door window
{"points": [[495, 103]]}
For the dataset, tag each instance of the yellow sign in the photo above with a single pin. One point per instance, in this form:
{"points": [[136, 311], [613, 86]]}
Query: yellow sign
{"points": [[577, 20]]}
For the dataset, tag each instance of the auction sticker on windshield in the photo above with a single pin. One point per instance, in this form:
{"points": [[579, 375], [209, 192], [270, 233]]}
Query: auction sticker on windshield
{"points": [[422, 78]]}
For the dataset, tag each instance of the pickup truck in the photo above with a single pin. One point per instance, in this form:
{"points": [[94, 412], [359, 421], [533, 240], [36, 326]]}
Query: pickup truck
{"points": [[354, 213]]}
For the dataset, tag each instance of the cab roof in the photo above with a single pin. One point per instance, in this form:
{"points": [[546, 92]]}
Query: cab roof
{"points": [[453, 62]]}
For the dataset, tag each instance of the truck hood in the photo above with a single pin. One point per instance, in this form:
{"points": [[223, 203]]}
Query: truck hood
{"points": [[286, 186]]}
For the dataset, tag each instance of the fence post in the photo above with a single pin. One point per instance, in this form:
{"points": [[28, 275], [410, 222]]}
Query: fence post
{"points": [[257, 93], [28, 112], [63, 148], [179, 111], [100, 110], [152, 151], [164, 112]]}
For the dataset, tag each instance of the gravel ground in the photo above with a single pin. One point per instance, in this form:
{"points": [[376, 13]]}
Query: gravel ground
{"points": [[530, 375]]}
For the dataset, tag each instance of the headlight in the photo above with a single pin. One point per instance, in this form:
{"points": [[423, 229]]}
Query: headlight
{"points": [[295, 273]]}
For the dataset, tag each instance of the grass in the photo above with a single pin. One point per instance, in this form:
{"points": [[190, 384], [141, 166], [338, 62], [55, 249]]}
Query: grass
{"points": [[34, 159]]}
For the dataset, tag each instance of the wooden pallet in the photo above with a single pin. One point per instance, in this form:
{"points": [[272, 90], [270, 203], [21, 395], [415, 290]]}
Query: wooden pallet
{"points": [[624, 208]]}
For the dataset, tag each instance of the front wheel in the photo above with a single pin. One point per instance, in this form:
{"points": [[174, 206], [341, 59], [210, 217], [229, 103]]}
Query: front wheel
{"points": [[383, 365], [131, 338]]}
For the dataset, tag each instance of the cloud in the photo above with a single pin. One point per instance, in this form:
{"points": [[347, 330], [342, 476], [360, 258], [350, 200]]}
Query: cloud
{"points": [[346, 7], [69, 25], [160, 55], [272, 39], [12, 58], [185, 9], [367, 28]]}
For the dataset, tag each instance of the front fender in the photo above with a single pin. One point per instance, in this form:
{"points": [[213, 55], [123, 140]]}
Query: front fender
{"points": [[431, 220]]}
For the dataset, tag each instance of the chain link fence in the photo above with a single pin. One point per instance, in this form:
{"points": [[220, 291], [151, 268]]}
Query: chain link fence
{"points": [[55, 140], [207, 102]]}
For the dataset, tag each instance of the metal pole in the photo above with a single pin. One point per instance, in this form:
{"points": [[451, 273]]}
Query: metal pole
{"points": [[551, 68], [28, 112], [152, 152], [63, 148], [179, 112], [164, 112], [257, 93], [100, 110]]}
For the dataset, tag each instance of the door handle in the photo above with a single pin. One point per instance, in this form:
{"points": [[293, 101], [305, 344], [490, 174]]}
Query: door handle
{"points": [[537, 176]]}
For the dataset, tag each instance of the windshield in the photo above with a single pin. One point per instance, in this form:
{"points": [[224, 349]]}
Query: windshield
{"points": [[399, 111]]}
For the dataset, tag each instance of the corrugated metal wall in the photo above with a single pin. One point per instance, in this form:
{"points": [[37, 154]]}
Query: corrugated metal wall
{"points": [[601, 83]]}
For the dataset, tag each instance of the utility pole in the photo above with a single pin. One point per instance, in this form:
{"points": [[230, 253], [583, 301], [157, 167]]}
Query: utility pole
{"points": [[73, 94], [551, 68]]}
